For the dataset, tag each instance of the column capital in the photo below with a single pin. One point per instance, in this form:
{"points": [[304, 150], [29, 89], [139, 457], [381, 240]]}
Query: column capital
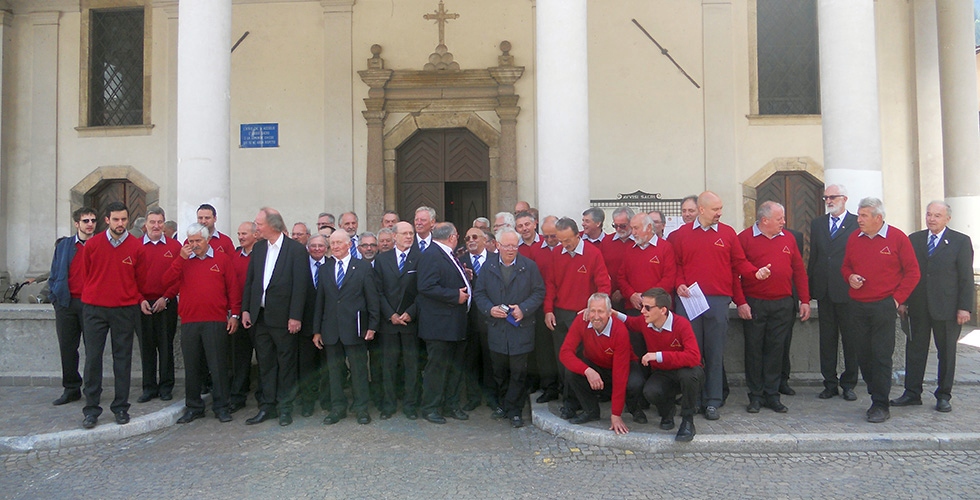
{"points": [[374, 117], [45, 18], [508, 113], [337, 6]]}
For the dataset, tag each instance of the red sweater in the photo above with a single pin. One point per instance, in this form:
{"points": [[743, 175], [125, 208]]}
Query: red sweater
{"points": [[112, 273], [612, 353], [677, 345], [157, 258], [646, 268], [711, 258], [208, 288], [222, 243], [241, 265], [888, 265], [572, 280], [613, 252], [787, 268], [76, 271]]}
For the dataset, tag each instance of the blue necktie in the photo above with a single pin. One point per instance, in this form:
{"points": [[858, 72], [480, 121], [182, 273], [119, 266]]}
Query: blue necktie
{"points": [[353, 249], [422, 245], [340, 273], [834, 227], [933, 243], [476, 265], [316, 275], [401, 262]]}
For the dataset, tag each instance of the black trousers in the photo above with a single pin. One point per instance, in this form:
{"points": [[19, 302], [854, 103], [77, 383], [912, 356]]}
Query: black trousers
{"points": [[945, 333], [765, 338], [356, 355], [275, 349], [833, 327], [476, 367], [589, 399], [241, 365], [543, 364], [711, 331], [873, 326], [441, 378], [510, 374], [157, 349], [307, 370], [119, 324], [208, 341], [404, 348], [375, 351], [68, 325], [563, 321], [662, 387]]}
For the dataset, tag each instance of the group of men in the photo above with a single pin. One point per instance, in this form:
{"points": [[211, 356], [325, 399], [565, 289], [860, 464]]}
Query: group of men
{"points": [[413, 314]]}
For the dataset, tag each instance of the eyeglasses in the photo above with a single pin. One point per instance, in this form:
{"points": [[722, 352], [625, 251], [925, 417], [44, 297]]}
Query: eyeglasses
{"points": [[621, 226], [648, 307], [87, 221], [831, 197], [473, 237], [368, 245], [507, 247]]}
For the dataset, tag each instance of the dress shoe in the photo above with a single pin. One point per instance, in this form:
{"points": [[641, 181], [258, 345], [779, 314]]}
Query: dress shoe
{"points": [[583, 418], [639, 417], [90, 422], [848, 395], [784, 388], [363, 418], [943, 405], [754, 406], [122, 418], [906, 399], [667, 423], [68, 396], [261, 416], [827, 393], [233, 407], [307, 409], [472, 405], [285, 419], [223, 416], [412, 414], [776, 406], [190, 416], [711, 413], [686, 432], [385, 415], [435, 418], [146, 396], [458, 414], [566, 413], [516, 422], [546, 396], [498, 413], [878, 414], [166, 396], [334, 417]]}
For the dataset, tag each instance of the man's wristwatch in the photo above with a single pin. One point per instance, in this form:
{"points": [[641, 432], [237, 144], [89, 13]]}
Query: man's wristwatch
{"points": [[236, 316]]}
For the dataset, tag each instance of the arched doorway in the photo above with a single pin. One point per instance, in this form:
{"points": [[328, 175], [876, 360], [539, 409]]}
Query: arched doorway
{"points": [[800, 193], [111, 190]]}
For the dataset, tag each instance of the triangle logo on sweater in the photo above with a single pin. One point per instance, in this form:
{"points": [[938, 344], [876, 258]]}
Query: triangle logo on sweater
{"points": [[609, 351], [215, 269], [655, 260], [885, 251], [583, 270], [128, 260], [675, 343], [221, 249], [720, 243], [786, 250], [168, 255]]}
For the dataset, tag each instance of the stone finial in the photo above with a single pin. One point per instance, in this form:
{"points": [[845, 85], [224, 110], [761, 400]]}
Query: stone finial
{"points": [[441, 60], [505, 59], [376, 62]]}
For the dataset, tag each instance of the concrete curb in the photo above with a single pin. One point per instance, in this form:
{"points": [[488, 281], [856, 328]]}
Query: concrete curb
{"points": [[107, 430], [543, 419]]}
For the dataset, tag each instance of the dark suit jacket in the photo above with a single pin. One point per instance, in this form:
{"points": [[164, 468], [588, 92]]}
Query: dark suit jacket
{"points": [[309, 327], [525, 288], [947, 276], [285, 298], [397, 289], [477, 321], [827, 257], [441, 316], [346, 314]]}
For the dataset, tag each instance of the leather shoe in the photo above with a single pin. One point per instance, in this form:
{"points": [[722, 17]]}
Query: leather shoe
{"points": [[307, 410], [285, 419], [363, 418], [261, 416], [333, 418], [146, 396], [233, 407], [516, 422], [546, 396], [776, 406], [943, 405], [166, 397], [122, 418], [412, 414], [639, 417], [90, 422], [68, 396], [667, 423], [385, 415], [711, 413], [472, 405], [190, 416], [583, 418], [567, 413], [827, 393], [906, 399], [686, 431], [784, 388], [498, 413], [754, 406], [223, 416], [878, 414], [458, 414], [435, 418], [848, 395]]}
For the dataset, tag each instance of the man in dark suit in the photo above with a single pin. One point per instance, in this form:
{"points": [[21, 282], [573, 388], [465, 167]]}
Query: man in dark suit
{"points": [[273, 300], [397, 284], [443, 299], [308, 367], [828, 239], [347, 313], [941, 302], [508, 292]]}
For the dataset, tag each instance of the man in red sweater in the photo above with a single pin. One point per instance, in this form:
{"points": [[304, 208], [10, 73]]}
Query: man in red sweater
{"points": [[207, 215], [608, 365], [209, 291], [241, 344], [543, 366], [576, 272], [159, 307], [673, 358], [110, 304], [768, 307], [708, 253], [881, 269], [649, 263], [614, 247]]}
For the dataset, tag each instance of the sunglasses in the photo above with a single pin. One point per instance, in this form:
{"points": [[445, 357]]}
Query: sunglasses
{"points": [[831, 197], [621, 226], [87, 221], [648, 308], [473, 237]]}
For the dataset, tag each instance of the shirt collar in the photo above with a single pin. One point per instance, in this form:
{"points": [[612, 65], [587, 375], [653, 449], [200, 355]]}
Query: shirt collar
{"points": [[697, 225], [653, 241], [146, 239], [217, 234], [668, 325], [940, 235], [321, 261], [507, 265], [79, 240], [278, 242], [108, 234], [536, 239], [883, 232], [578, 248], [483, 256], [758, 232], [606, 331], [345, 260], [208, 254], [586, 237]]}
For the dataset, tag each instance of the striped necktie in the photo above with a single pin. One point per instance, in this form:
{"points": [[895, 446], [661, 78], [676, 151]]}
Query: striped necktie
{"points": [[401, 262], [316, 275], [834, 227], [340, 273], [476, 265], [933, 243]]}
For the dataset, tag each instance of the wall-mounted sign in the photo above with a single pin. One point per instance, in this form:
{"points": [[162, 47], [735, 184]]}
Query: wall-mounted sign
{"points": [[260, 135]]}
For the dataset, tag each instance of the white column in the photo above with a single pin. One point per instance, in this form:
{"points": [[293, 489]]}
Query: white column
{"points": [[5, 18], [44, 138], [203, 110], [849, 97], [169, 202], [961, 132], [338, 115], [562, 107], [719, 106], [928, 113]]}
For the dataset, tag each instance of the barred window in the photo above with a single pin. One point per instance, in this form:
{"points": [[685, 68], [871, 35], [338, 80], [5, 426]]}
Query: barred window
{"points": [[116, 67], [788, 64]]}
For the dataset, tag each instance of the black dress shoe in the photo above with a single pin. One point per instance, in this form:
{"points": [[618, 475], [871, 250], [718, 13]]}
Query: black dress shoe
{"points": [[754, 406], [307, 410], [363, 418], [334, 417], [146, 396], [223, 416], [285, 419], [122, 418], [385, 415], [68, 396], [878, 414], [776, 406], [471, 406], [435, 418], [412, 414], [261, 416], [943, 405], [667, 423], [639, 417], [546, 396], [190, 416], [516, 422], [166, 396], [784, 388], [583, 418], [458, 414], [827, 393], [906, 399], [848, 395], [90, 422], [711, 413], [566, 413], [498, 413], [686, 432], [233, 407]]}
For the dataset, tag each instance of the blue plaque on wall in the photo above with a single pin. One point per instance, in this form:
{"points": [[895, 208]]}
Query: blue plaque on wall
{"points": [[260, 135]]}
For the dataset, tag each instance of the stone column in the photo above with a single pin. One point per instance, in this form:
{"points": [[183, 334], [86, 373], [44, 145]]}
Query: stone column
{"points": [[719, 105], [203, 110], [928, 113], [849, 97], [562, 107], [5, 18], [44, 138], [506, 75], [343, 187], [170, 201], [961, 137], [379, 194]]}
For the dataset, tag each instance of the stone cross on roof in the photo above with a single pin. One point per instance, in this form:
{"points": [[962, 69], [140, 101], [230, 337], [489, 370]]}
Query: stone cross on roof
{"points": [[441, 16]]}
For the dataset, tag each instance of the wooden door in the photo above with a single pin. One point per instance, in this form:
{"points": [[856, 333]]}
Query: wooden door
{"points": [[109, 191], [465, 201], [800, 193]]}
